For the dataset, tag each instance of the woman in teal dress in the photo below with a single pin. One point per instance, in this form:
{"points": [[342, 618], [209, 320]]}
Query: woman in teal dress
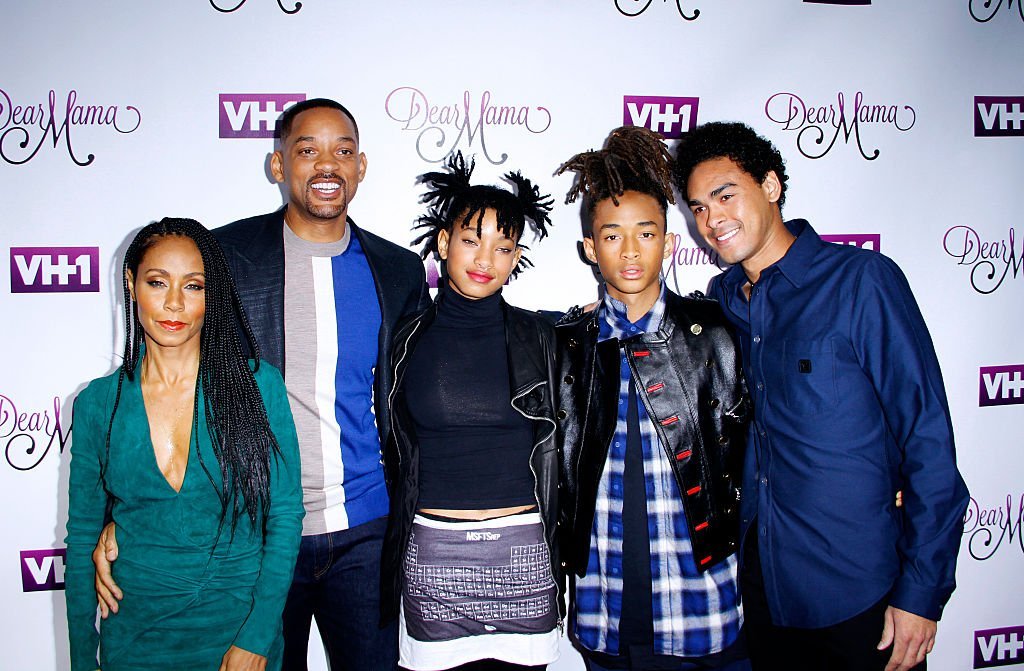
{"points": [[190, 449]]}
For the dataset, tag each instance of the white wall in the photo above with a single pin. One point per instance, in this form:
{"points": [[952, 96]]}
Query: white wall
{"points": [[154, 150]]}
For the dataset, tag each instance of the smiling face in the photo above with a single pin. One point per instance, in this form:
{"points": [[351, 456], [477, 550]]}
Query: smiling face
{"points": [[322, 166], [168, 288], [478, 265], [739, 217], [628, 245]]}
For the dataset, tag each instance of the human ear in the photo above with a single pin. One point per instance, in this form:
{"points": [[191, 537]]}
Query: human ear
{"points": [[588, 249], [362, 166], [670, 245], [772, 186], [442, 245], [277, 166], [130, 279]]}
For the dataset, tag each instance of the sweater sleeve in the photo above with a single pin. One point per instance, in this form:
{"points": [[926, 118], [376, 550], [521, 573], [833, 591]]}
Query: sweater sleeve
{"points": [[87, 503], [283, 528]]}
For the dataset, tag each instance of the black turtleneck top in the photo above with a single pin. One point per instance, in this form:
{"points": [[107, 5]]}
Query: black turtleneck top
{"points": [[474, 447]]}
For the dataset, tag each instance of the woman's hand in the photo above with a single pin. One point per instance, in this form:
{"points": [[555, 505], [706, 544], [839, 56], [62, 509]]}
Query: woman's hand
{"points": [[236, 659]]}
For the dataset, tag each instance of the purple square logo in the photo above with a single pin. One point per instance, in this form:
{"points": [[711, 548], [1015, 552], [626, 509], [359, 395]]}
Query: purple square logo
{"points": [[253, 115], [670, 116], [998, 647], [998, 116], [1001, 385], [872, 241], [42, 570], [36, 270]]}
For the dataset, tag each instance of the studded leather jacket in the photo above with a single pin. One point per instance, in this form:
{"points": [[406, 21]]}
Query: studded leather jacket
{"points": [[689, 377]]}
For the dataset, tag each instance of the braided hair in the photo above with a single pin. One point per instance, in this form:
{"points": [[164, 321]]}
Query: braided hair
{"points": [[633, 159], [233, 406], [453, 200]]}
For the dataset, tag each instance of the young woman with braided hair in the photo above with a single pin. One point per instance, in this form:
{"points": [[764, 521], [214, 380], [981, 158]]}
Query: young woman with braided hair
{"points": [[190, 450], [654, 425], [470, 562]]}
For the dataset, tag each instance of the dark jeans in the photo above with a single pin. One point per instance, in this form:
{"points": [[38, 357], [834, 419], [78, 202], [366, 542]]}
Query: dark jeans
{"points": [[847, 646], [337, 581]]}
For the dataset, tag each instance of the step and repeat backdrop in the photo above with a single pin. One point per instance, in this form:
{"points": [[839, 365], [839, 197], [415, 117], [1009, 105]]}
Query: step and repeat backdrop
{"points": [[902, 122]]}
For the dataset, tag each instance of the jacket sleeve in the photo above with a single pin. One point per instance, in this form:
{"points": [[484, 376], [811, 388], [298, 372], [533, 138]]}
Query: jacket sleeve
{"points": [[897, 354], [283, 526], [87, 503]]}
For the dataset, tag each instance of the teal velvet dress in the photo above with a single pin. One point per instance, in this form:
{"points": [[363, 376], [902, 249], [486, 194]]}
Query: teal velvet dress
{"points": [[192, 589]]}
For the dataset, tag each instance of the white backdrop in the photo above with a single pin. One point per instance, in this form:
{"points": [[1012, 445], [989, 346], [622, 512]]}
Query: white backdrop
{"points": [[114, 113]]}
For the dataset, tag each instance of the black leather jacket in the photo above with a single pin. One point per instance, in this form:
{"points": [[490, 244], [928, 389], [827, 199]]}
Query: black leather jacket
{"points": [[531, 359], [689, 376]]}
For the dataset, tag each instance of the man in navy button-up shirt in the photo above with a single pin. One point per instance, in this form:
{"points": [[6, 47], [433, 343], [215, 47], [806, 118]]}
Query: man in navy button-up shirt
{"points": [[849, 409]]}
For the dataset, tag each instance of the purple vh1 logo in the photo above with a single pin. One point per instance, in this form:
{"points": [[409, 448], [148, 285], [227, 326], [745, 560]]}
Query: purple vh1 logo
{"points": [[670, 116], [54, 269], [872, 241], [998, 116], [253, 115], [998, 647], [1001, 385], [42, 570]]}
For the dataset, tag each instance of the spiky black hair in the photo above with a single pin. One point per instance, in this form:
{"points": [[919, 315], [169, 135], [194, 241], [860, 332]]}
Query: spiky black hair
{"points": [[451, 200]]}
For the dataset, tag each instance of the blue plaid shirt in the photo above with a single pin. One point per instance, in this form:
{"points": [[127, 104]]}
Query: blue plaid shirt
{"points": [[695, 614]]}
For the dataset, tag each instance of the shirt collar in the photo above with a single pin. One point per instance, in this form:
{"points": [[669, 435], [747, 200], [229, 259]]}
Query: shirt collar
{"points": [[794, 264], [614, 322]]}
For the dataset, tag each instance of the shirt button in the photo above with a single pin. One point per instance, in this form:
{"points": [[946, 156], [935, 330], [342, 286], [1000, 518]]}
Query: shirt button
{"points": [[760, 386], [762, 432], [764, 532], [616, 443], [764, 481], [757, 338]]}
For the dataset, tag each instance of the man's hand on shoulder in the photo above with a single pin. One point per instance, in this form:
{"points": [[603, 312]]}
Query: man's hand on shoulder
{"points": [[911, 636], [107, 591]]}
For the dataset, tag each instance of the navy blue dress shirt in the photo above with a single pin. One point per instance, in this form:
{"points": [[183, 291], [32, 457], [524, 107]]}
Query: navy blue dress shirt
{"points": [[849, 408]]}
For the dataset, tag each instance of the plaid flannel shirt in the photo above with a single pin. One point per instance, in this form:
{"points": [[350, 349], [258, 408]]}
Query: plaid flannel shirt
{"points": [[694, 614]]}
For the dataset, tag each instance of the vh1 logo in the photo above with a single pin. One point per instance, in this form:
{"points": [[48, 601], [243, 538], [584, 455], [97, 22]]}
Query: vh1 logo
{"points": [[998, 116], [1001, 385], [872, 241], [666, 115], [42, 570], [998, 647], [54, 269], [253, 115]]}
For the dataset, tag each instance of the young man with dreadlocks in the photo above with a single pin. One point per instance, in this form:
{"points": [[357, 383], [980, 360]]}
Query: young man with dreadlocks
{"points": [[652, 413], [470, 557], [849, 409], [193, 455]]}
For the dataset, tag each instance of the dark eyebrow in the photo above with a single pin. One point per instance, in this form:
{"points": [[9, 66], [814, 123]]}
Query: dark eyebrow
{"points": [[310, 138], [198, 273], [721, 189]]}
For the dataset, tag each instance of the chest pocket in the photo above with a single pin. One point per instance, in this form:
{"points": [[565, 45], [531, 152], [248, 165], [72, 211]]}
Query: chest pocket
{"points": [[809, 376]]}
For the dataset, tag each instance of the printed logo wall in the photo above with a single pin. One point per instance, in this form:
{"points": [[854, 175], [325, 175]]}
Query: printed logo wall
{"points": [[529, 105]]}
